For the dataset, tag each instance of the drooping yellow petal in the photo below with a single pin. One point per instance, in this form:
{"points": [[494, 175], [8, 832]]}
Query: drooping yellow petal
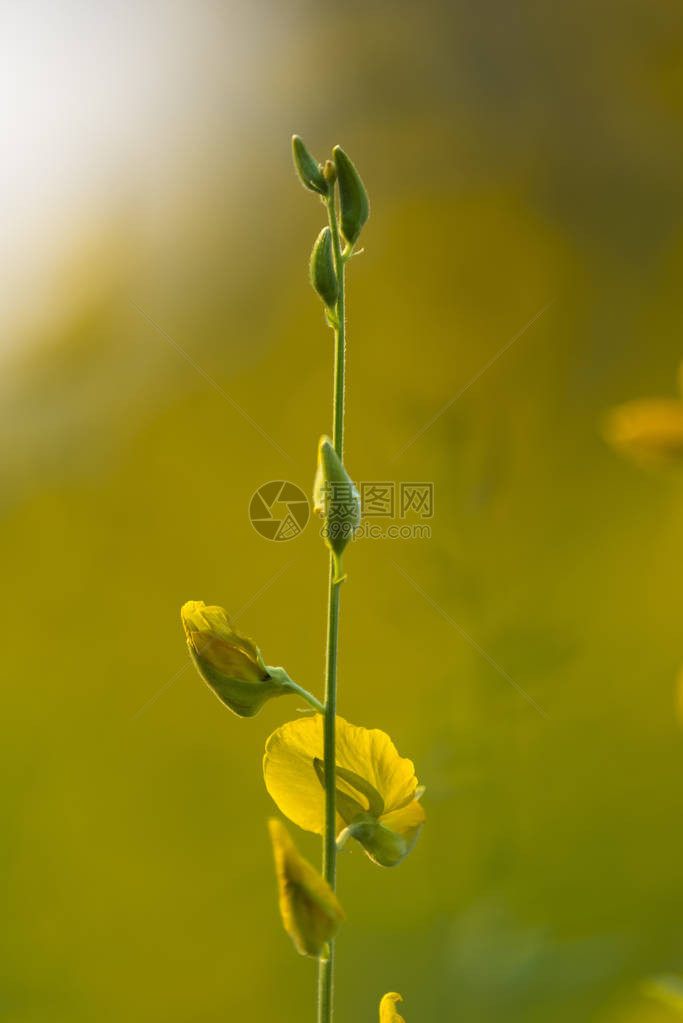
{"points": [[311, 912], [388, 1012], [647, 430], [293, 783]]}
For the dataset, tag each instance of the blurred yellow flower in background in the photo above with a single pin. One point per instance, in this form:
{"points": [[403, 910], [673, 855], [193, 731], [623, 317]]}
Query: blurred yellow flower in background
{"points": [[388, 1012], [311, 912], [667, 989], [648, 429], [377, 791]]}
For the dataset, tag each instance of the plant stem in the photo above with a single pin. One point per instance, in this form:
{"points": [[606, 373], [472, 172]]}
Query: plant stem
{"points": [[308, 697], [339, 335], [326, 966]]}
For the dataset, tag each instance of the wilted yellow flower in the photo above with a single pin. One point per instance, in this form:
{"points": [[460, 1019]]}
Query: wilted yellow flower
{"points": [[647, 429], [230, 664], [377, 791], [388, 1012], [311, 912]]}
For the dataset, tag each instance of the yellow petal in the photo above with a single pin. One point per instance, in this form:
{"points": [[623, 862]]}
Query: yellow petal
{"points": [[648, 430], [291, 779], [311, 912], [406, 820], [213, 639], [371, 753], [387, 1009]]}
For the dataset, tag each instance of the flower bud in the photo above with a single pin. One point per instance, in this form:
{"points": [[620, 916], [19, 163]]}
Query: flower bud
{"points": [[311, 912], [231, 665], [353, 199], [307, 168], [387, 1009], [335, 498], [323, 273]]}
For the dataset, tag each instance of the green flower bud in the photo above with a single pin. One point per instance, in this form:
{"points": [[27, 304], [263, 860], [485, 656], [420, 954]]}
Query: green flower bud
{"points": [[353, 199], [323, 273], [335, 498], [231, 665], [307, 168]]}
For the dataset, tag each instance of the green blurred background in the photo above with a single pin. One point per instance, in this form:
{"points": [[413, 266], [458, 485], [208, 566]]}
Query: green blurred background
{"points": [[516, 155]]}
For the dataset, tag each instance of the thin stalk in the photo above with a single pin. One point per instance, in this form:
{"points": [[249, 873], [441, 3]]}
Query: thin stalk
{"points": [[310, 699], [339, 334], [326, 966]]}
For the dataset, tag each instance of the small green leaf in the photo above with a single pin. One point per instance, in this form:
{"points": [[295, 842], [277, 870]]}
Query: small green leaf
{"points": [[353, 199], [307, 168], [323, 273]]}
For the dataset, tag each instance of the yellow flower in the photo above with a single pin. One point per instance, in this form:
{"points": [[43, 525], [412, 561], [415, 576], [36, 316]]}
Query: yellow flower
{"points": [[387, 1009], [230, 664], [310, 910], [648, 429], [377, 791]]}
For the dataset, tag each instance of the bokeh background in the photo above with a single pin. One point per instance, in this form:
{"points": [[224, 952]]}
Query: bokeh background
{"points": [[154, 260]]}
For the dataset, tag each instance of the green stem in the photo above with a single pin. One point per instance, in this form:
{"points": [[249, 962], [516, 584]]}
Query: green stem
{"points": [[326, 966], [339, 334], [308, 697], [280, 675]]}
